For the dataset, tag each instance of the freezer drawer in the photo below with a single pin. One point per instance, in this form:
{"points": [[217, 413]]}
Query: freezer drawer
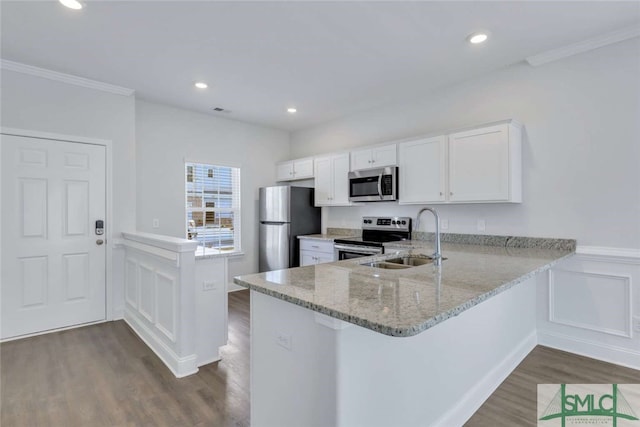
{"points": [[274, 246]]}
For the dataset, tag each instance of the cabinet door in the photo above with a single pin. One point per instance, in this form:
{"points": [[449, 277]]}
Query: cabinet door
{"points": [[361, 159], [384, 156], [303, 168], [284, 171], [321, 258], [422, 169], [479, 165], [307, 258], [323, 172], [340, 179]]}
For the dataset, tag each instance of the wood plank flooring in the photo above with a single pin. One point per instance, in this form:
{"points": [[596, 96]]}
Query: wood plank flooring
{"points": [[104, 375]]}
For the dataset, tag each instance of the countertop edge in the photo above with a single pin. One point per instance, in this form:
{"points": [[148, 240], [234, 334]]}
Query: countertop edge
{"points": [[410, 330]]}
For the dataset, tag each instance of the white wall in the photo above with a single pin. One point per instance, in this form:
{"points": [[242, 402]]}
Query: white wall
{"points": [[166, 136], [35, 103], [581, 148]]}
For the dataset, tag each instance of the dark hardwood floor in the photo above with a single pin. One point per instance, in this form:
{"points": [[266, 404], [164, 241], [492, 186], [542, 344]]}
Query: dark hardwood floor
{"points": [[104, 375]]}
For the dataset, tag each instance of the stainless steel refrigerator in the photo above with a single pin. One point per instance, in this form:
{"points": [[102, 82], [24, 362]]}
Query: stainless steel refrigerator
{"points": [[285, 213]]}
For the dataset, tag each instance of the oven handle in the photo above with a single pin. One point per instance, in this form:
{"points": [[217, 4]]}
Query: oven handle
{"points": [[358, 248], [380, 187]]}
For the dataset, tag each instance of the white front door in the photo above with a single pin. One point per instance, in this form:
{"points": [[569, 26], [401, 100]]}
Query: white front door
{"points": [[53, 262]]}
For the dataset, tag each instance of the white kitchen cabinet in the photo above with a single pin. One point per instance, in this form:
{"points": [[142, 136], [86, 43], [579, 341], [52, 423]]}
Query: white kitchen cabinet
{"points": [[294, 169], [422, 170], [481, 165], [485, 164], [374, 157], [331, 174], [313, 251]]}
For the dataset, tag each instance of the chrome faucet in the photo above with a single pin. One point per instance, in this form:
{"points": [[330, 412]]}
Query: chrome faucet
{"points": [[437, 255]]}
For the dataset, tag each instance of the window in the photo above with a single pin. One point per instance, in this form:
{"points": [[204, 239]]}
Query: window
{"points": [[213, 208]]}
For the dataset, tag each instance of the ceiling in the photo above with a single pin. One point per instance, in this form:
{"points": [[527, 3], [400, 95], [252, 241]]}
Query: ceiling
{"points": [[328, 59]]}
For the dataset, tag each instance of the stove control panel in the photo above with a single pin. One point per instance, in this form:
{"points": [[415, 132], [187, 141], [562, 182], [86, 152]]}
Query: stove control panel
{"points": [[402, 223]]}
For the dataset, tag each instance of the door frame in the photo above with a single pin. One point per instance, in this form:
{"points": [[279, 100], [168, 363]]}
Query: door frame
{"points": [[109, 290]]}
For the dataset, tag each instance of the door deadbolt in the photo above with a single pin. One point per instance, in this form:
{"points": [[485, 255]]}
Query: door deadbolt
{"points": [[99, 227]]}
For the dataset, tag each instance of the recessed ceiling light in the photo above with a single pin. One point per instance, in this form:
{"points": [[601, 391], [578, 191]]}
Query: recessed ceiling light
{"points": [[201, 85], [291, 110], [477, 38], [72, 4]]}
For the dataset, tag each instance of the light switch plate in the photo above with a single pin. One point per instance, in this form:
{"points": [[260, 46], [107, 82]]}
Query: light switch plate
{"points": [[208, 286], [155, 223], [482, 225], [444, 224]]}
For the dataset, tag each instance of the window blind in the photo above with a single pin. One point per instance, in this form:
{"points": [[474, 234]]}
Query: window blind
{"points": [[213, 207]]}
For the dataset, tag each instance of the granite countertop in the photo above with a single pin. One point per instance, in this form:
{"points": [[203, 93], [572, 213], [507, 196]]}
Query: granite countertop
{"points": [[327, 237], [408, 301]]}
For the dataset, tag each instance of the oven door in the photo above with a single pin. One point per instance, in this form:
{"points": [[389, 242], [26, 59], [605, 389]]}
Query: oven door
{"points": [[343, 252]]}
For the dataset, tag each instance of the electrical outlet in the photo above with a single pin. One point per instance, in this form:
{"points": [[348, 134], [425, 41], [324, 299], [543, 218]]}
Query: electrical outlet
{"points": [[636, 324], [482, 225], [209, 286], [283, 340], [155, 223], [444, 224]]}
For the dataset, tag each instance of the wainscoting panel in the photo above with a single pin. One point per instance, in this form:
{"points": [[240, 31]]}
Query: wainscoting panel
{"points": [[166, 305], [160, 297], [147, 290], [590, 303], [594, 301]]}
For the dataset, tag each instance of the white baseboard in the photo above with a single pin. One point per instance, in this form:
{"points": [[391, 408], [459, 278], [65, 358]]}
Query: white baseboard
{"points": [[211, 360], [595, 350], [480, 392], [179, 366], [118, 314]]}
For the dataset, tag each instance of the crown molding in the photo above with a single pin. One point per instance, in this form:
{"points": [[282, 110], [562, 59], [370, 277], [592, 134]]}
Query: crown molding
{"points": [[583, 46], [65, 78]]}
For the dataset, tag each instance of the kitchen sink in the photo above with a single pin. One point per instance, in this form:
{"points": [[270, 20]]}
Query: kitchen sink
{"points": [[401, 262], [387, 265], [411, 261]]}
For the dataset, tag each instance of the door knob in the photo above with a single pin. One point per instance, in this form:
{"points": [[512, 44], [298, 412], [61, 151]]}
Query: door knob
{"points": [[99, 242]]}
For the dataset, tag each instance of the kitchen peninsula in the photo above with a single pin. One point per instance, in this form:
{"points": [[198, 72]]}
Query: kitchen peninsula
{"points": [[347, 344]]}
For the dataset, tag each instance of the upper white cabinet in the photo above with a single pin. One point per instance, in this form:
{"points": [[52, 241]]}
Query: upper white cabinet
{"points": [[294, 169], [374, 157], [331, 180], [485, 165], [481, 165], [422, 170]]}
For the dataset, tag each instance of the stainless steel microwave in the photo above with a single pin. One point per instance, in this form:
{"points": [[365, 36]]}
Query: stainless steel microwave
{"points": [[374, 185]]}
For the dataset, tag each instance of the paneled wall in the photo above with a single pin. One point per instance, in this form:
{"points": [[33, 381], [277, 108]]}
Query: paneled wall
{"points": [[590, 305], [160, 298]]}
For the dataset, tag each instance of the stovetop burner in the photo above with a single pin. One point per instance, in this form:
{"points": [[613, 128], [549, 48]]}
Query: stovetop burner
{"points": [[378, 230]]}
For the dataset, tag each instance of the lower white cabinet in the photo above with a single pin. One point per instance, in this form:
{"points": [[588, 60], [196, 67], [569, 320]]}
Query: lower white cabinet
{"points": [[481, 165], [314, 251]]}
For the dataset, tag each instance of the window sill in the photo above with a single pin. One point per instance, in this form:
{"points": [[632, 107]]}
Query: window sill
{"points": [[216, 253]]}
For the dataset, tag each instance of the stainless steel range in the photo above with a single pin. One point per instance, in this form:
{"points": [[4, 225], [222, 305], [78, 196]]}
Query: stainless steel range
{"points": [[375, 232]]}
